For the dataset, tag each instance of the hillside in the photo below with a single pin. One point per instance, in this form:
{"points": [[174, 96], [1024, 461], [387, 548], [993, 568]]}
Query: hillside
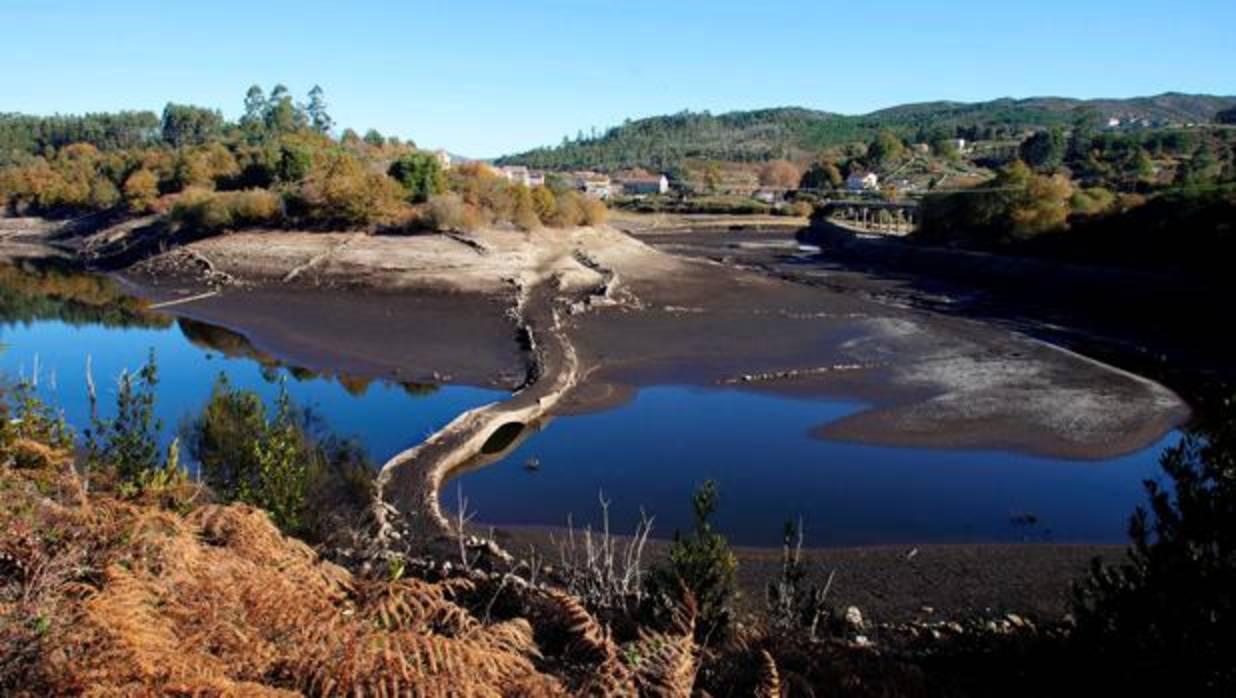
{"points": [[661, 142]]}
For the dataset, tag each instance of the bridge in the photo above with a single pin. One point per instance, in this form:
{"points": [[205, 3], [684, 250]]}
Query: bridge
{"points": [[897, 217]]}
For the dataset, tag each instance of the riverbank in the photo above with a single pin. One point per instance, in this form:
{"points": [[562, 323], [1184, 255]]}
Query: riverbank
{"points": [[895, 583]]}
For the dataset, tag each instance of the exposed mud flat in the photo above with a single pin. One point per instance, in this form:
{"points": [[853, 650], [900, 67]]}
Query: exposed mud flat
{"points": [[652, 317]]}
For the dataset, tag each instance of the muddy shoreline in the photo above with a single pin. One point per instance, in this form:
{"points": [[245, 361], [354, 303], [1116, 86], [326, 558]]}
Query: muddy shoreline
{"points": [[633, 316]]}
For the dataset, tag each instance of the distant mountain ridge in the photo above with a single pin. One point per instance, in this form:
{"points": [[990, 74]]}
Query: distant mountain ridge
{"points": [[664, 141]]}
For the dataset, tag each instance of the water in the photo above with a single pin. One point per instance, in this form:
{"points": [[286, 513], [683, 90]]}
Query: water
{"points": [[649, 453], [58, 336], [654, 451]]}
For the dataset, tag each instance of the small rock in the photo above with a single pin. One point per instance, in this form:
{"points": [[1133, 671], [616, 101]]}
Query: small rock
{"points": [[1016, 620], [854, 618], [927, 609], [861, 641]]}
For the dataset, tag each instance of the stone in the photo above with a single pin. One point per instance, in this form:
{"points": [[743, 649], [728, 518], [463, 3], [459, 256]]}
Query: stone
{"points": [[854, 618]]}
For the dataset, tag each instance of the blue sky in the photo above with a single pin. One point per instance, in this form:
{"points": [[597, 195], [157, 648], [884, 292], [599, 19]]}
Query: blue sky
{"points": [[488, 77]]}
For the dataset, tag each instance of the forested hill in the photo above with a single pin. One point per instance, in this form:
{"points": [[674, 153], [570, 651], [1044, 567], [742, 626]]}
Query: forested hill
{"points": [[663, 141]]}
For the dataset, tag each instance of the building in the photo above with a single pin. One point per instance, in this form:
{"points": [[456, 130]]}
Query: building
{"points": [[1113, 122], [536, 179], [593, 184], [517, 174], [444, 159], [959, 144], [767, 196], [863, 182], [637, 186]]}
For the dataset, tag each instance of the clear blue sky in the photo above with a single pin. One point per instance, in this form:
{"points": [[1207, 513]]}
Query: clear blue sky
{"points": [[484, 78]]}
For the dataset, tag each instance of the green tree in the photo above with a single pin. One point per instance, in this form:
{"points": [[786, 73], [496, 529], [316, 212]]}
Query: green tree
{"points": [[374, 138], [1226, 116], [1044, 150], [188, 125], [253, 122], [420, 174], [318, 118], [885, 148], [129, 441], [1163, 620], [701, 562], [282, 114]]}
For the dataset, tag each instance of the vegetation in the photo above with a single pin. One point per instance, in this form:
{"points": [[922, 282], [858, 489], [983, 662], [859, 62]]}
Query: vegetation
{"points": [[279, 165], [276, 462], [663, 142], [1162, 621], [701, 565]]}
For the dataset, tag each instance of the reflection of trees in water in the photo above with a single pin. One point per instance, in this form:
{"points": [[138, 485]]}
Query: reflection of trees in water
{"points": [[32, 290], [235, 345]]}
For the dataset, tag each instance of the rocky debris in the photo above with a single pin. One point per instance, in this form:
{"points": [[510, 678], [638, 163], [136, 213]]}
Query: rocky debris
{"points": [[795, 373]]}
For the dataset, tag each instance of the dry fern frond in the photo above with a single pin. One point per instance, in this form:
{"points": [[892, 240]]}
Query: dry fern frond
{"points": [[770, 678]]}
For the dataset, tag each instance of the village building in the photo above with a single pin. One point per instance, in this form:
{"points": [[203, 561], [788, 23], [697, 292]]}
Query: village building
{"points": [[517, 174], [443, 158], [536, 179], [860, 181], [639, 186], [593, 184]]}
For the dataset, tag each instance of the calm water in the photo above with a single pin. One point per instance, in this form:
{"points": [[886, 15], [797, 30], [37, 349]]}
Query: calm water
{"points": [[386, 417], [649, 453], [655, 450]]}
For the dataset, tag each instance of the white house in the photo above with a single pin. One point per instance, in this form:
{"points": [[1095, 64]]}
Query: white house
{"points": [[444, 159], [959, 144], [517, 174], [862, 182]]}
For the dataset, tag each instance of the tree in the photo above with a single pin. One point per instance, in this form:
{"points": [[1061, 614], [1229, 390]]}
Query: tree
{"points": [[1044, 150], [821, 175], [420, 174], [141, 189], [282, 115], [188, 125], [1226, 116], [885, 148], [712, 177], [701, 562], [374, 138], [318, 118], [254, 119], [1166, 616], [781, 174]]}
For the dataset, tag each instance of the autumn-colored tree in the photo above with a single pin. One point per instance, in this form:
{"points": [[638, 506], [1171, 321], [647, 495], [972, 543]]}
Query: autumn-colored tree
{"points": [[712, 177], [525, 215], [782, 174], [544, 203]]}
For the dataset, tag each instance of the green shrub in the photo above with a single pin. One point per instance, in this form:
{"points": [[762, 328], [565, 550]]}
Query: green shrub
{"points": [[700, 562], [1164, 620]]}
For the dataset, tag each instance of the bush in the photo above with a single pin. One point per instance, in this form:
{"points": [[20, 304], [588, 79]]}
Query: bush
{"points": [[420, 174], [141, 190], [203, 210], [568, 209], [1164, 619], [275, 461], [595, 212], [700, 562], [341, 191], [448, 212]]}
